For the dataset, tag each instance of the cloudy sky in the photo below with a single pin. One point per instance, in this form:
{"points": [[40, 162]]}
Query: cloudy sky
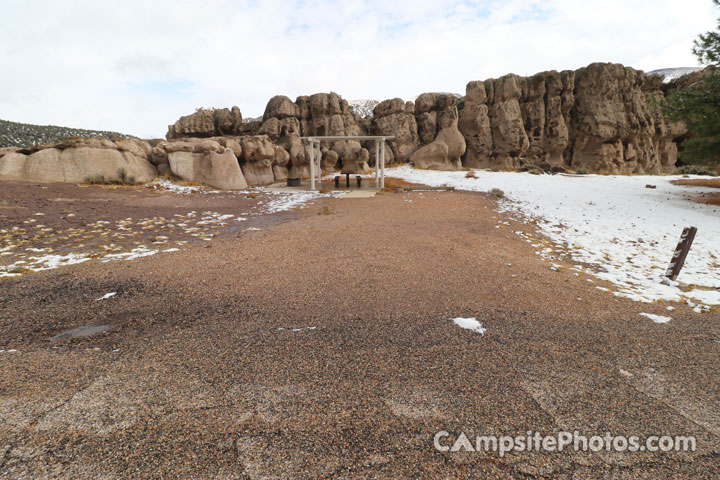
{"points": [[136, 66]]}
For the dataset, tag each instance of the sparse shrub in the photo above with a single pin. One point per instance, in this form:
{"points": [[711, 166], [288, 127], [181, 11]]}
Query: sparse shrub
{"points": [[97, 180], [496, 192], [427, 139], [470, 174], [122, 179], [531, 168], [582, 171], [696, 170]]}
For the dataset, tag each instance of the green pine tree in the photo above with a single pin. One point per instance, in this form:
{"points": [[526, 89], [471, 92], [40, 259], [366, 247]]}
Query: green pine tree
{"points": [[699, 103]]}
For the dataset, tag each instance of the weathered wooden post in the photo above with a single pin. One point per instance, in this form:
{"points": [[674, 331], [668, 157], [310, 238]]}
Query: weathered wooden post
{"points": [[681, 251]]}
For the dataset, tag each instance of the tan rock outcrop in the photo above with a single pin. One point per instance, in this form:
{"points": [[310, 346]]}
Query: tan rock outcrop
{"points": [[219, 170], [618, 128], [433, 156], [258, 156], [433, 112], [601, 118], [208, 123], [396, 118], [474, 124], [76, 164]]}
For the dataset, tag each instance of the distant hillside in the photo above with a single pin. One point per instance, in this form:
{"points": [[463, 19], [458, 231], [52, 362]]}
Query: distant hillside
{"points": [[13, 134]]}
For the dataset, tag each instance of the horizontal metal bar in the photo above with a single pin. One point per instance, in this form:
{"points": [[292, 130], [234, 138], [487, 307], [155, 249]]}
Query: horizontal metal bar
{"points": [[380, 137]]}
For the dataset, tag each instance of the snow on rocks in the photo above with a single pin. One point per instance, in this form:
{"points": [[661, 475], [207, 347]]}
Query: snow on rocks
{"points": [[171, 187], [285, 201], [138, 252], [656, 318], [301, 329], [625, 233], [106, 296], [470, 324]]}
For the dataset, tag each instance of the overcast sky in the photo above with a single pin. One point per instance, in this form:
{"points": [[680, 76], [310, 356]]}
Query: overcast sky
{"points": [[136, 66]]}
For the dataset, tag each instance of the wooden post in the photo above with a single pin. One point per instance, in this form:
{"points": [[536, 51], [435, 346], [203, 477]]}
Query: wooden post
{"points": [[681, 252]]}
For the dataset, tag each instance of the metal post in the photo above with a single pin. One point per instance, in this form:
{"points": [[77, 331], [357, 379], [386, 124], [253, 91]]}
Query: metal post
{"points": [[377, 163], [681, 251], [312, 164], [319, 165], [382, 171]]}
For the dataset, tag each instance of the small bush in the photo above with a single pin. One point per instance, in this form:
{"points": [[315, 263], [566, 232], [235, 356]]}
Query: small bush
{"points": [[470, 174], [122, 179], [582, 171], [496, 192]]}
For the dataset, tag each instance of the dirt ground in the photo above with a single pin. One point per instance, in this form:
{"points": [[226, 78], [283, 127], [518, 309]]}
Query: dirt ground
{"points": [[708, 198], [321, 344]]}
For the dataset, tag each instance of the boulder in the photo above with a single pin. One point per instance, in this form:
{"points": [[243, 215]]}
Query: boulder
{"points": [[282, 157], [233, 143], [206, 145], [474, 124], [219, 170], [508, 131], [281, 107], [13, 166], [280, 173], [208, 123], [158, 155], [433, 156], [76, 165], [434, 111], [258, 156], [396, 118], [455, 142], [201, 123], [330, 159]]}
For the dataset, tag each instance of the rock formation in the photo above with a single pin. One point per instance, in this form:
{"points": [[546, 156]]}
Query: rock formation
{"points": [[397, 118], [437, 121], [205, 162], [258, 156], [208, 123], [601, 118], [616, 127], [78, 160]]}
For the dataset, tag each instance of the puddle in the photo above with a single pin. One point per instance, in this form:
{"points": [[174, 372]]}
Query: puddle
{"points": [[84, 331]]}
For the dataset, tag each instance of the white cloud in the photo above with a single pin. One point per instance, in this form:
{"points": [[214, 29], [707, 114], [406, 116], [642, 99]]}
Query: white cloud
{"points": [[136, 66]]}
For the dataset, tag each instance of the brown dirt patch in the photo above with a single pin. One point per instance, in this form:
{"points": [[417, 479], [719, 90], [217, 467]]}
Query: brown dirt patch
{"points": [[706, 198], [711, 183]]}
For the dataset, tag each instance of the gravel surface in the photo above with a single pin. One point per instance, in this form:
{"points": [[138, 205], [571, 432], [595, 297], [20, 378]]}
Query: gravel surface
{"points": [[323, 346]]}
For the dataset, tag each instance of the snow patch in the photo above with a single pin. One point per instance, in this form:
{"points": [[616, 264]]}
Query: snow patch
{"points": [[656, 318], [106, 296], [470, 324], [623, 231]]}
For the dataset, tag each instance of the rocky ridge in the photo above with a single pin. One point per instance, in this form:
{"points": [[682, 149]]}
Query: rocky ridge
{"points": [[602, 118]]}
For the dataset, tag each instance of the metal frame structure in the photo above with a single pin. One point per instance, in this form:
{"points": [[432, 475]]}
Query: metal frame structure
{"points": [[379, 154]]}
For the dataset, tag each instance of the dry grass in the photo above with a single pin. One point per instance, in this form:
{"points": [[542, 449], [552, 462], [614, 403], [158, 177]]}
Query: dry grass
{"points": [[705, 198], [699, 182], [393, 184]]}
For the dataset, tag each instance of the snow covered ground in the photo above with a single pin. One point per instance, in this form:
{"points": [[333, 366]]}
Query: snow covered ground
{"points": [[611, 226]]}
